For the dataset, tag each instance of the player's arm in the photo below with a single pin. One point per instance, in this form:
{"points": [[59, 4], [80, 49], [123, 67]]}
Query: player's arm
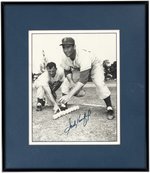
{"points": [[50, 97], [67, 71], [56, 86], [84, 75], [68, 75]]}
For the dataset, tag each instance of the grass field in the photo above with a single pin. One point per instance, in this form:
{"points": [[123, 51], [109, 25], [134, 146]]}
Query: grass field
{"points": [[88, 124]]}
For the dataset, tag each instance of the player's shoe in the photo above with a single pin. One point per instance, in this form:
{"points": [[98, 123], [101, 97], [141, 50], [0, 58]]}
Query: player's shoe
{"points": [[40, 104], [110, 113], [63, 106], [38, 107]]}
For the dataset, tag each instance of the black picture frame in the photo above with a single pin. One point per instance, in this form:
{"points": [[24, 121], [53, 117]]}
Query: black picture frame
{"points": [[134, 90]]}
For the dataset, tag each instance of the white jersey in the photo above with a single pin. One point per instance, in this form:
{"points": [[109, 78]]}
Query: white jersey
{"points": [[84, 60], [44, 78]]}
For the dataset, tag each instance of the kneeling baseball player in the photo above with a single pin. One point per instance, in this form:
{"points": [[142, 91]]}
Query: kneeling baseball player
{"points": [[46, 86], [89, 65]]}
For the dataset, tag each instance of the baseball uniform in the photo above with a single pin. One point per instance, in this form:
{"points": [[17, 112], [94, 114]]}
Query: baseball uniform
{"points": [[45, 80], [85, 61]]}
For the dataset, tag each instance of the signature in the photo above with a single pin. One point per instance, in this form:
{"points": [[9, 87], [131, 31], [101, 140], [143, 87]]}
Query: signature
{"points": [[81, 118]]}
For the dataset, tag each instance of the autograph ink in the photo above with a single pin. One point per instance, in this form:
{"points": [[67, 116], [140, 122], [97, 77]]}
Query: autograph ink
{"points": [[81, 118]]}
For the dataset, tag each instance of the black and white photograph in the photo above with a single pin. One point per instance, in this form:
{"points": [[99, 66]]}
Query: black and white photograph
{"points": [[74, 87]]}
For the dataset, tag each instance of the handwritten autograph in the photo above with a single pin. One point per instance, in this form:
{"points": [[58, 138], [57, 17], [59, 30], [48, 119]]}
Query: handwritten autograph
{"points": [[81, 118]]}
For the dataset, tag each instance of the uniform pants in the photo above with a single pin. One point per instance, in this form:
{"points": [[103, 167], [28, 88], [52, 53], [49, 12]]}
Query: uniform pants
{"points": [[97, 76], [40, 93]]}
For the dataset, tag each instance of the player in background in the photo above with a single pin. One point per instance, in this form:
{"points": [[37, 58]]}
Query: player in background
{"points": [[43, 62], [46, 86], [42, 67], [88, 65]]}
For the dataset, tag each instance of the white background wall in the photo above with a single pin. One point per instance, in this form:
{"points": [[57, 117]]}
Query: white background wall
{"points": [[102, 44]]}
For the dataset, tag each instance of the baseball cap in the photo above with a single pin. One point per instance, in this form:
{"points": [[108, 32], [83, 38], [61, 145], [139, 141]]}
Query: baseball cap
{"points": [[67, 41]]}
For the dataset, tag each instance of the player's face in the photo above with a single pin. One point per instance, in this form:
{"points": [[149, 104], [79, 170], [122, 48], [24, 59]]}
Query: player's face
{"points": [[68, 50], [52, 71]]}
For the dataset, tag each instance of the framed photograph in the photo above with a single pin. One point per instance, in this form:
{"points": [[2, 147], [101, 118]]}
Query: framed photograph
{"points": [[75, 86], [75, 123]]}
